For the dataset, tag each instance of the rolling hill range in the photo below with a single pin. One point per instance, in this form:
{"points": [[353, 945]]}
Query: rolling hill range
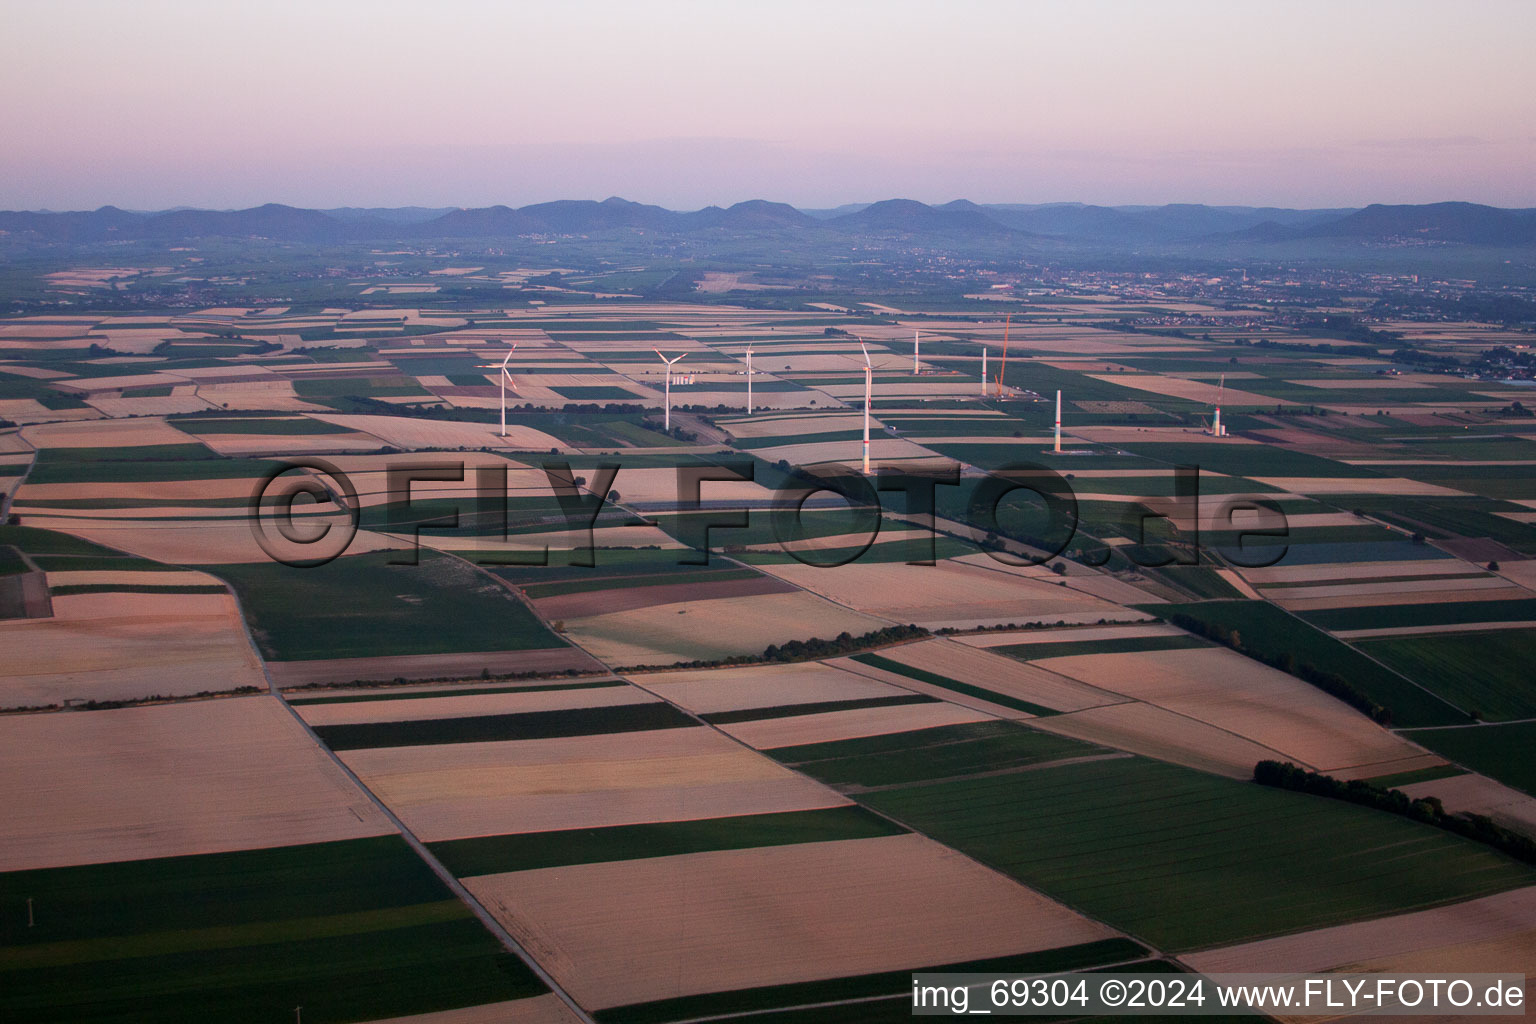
{"points": [[1178, 223]]}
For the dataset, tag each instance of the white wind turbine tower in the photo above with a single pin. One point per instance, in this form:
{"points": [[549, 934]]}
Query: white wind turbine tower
{"points": [[983, 371], [869, 392], [1216, 421], [1058, 421], [916, 337], [505, 376], [667, 416], [749, 380]]}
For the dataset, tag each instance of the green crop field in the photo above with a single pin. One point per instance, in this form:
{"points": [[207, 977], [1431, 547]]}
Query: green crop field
{"points": [[814, 708], [1115, 645], [1186, 860], [50, 470], [351, 931], [528, 725], [1501, 752], [361, 606], [485, 855], [1487, 673], [240, 425], [470, 691], [895, 759], [36, 542], [1434, 613]]}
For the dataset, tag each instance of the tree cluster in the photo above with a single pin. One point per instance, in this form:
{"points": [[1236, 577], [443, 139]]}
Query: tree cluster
{"points": [[1426, 809]]}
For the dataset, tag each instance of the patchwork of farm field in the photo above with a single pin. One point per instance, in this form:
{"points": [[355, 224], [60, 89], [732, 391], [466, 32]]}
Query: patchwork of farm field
{"points": [[565, 763]]}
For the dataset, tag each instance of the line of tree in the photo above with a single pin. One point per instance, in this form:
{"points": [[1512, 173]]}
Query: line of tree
{"points": [[813, 649], [1426, 809], [1330, 683]]}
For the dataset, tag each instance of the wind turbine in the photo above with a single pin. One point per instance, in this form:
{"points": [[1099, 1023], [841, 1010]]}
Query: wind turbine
{"points": [[504, 377], [1004, 370], [749, 380], [983, 370], [869, 392], [1216, 422], [916, 336], [1058, 421], [667, 416]]}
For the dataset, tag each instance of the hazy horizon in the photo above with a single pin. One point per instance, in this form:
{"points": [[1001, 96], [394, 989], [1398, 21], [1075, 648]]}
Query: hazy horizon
{"points": [[685, 104]]}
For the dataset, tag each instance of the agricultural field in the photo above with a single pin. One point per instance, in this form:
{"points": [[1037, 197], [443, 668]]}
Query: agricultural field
{"points": [[547, 741]]}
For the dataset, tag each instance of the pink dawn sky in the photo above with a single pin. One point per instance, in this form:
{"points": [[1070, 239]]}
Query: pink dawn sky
{"points": [[152, 104]]}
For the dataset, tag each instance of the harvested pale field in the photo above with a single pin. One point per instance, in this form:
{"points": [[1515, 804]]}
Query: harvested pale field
{"points": [[169, 780], [622, 596], [1394, 486], [103, 434], [763, 686], [1521, 571], [189, 491], [1026, 445], [1155, 732], [1477, 794], [187, 542], [545, 1009], [408, 432], [925, 387], [139, 512], [288, 444], [1052, 636], [1193, 390], [39, 330], [1440, 596], [767, 733], [259, 396], [977, 667], [793, 426], [475, 789], [1353, 571], [1286, 595], [92, 385], [705, 630], [1098, 585], [811, 453], [130, 578], [123, 407], [507, 702], [370, 473], [30, 410], [836, 541], [647, 486], [1237, 583], [1225, 689], [760, 400], [638, 930], [548, 661], [123, 646], [1507, 915], [556, 541], [12, 442], [950, 592], [1356, 383], [1150, 435]]}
